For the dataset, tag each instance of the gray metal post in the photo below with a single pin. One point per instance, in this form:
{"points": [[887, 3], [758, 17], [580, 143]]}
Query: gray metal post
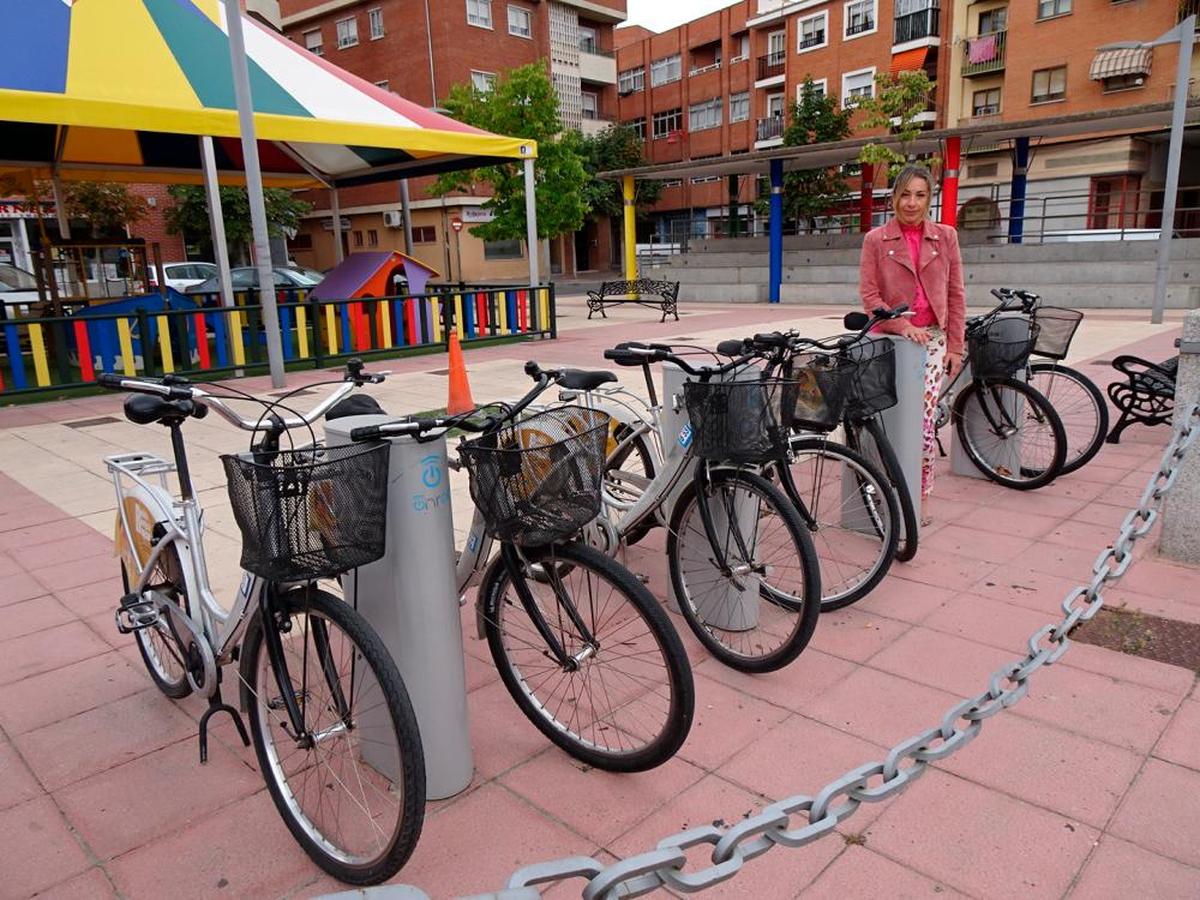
{"points": [[1186, 32], [336, 209], [409, 598], [531, 238], [1181, 513], [254, 191], [406, 211], [216, 219], [60, 209], [903, 422]]}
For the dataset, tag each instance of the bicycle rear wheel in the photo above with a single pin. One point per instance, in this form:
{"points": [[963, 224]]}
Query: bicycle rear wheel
{"points": [[868, 438], [1080, 405], [164, 657], [752, 600], [351, 789], [1011, 433], [626, 473], [625, 701]]}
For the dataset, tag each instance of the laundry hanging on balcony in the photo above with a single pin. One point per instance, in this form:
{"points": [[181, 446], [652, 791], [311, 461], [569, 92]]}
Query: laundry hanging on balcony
{"points": [[982, 49]]}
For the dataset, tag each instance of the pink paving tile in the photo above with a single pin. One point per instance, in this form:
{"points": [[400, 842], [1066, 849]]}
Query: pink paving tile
{"points": [[1180, 743], [91, 885], [1040, 591], [979, 840], [726, 721], [17, 784], [1081, 778], [1084, 703], [54, 553], [473, 846], [62, 693], [944, 510], [967, 541], [105, 628], [46, 650], [855, 634], [1006, 521], [1039, 503], [77, 571], [858, 872], [34, 535], [908, 601], [8, 565], [1120, 869], [1171, 680], [500, 734], [942, 569], [881, 708], [35, 834], [1163, 579], [1102, 473], [33, 513], [779, 873], [1071, 488], [122, 808], [793, 687], [943, 661], [1162, 812], [1107, 514], [988, 621], [101, 738], [1081, 535], [92, 599], [1055, 559], [599, 805], [244, 850], [29, 616], [19, 586]]}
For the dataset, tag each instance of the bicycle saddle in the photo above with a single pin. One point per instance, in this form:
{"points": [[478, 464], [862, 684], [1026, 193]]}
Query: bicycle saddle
{"points": [[143, 409], [585, 380]]}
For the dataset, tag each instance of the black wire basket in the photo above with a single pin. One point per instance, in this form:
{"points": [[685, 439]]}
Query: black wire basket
{"points": [[537, 481], [819, 382], [871, 383], [309, 513], [1057, 326], [1000, 347], [746, 421]]}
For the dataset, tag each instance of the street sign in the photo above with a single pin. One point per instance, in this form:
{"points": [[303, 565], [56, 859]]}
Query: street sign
{"points": [[456, 223]]}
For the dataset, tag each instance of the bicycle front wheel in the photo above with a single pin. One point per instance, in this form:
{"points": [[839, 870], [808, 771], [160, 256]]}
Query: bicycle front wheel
{"points": [[868, 438], [622, 697], [351, 787], [853, 518], [752, 597], [1011, 433], [1080, 405]]}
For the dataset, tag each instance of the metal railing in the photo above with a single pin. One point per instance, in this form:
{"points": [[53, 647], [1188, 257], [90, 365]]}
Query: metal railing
{"points": [[771, 65], [916, 25], [1189, 8], [992, 46], [209, 340], [768, 128]]}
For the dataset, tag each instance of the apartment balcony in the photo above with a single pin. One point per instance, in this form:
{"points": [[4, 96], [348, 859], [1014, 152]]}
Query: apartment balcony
{"points": [[592, 127], [771, 65], [769, 129], [1189, 8], [984, 53], [597, 66], [914, 26]]}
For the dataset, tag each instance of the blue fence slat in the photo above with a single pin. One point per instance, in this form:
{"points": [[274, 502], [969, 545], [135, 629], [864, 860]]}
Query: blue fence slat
{"points": [[221, 336], [14, 356], [285, 331]]}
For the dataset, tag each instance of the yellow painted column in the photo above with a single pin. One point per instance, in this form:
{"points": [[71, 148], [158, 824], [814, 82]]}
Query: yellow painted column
{"points": [[630, 229], [125, 339], [302, 331], [458, 317], [37, 345], [164, 344], [331, 329]]}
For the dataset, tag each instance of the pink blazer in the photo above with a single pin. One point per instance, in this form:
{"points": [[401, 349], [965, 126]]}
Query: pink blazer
{"points": [[886, 276]]}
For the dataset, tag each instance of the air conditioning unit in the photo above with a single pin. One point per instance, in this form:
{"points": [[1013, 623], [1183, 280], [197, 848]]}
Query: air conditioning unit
{"points": [[393, 218]]}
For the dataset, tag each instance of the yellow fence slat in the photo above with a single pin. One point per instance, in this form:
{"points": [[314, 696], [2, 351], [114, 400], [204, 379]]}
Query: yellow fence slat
{"points": [[302, 331], [502, 311], [164, 344], [435, 311], [385, 323], [458, 317], [37, 346], [544, 309], [235, 339], [126, 341], [331, 330]]}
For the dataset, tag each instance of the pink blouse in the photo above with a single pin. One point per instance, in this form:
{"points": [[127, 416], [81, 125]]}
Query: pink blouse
{"points": [[923, 315]]}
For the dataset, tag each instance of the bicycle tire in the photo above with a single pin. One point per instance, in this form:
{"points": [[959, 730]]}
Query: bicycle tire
{"points": [[879, 450], [639, 449], [863, 525], [706, 597], [1084, 415], [386, 726], [527, 668], [161, 653], [997, 461]]}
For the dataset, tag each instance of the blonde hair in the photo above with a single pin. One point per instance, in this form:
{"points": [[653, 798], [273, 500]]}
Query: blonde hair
{"points": [[907, 174]]}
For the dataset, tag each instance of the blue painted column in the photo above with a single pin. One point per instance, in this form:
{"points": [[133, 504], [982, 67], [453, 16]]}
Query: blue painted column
{"points": [[776, 223], [1016, 202]]}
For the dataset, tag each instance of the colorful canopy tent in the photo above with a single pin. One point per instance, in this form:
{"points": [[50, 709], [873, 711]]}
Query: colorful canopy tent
{"points": [[373, 274], [117, 89]]}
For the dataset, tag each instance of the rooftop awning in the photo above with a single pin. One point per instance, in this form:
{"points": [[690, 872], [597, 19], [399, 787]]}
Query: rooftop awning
{"points": [[1126, 61], [909, 60], [120, 90]]}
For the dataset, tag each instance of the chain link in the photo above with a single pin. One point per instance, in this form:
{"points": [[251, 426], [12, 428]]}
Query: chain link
{"points": [[906, 762]]}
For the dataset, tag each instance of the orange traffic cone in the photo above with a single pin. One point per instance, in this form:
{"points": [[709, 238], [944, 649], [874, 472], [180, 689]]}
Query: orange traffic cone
{"points": [[460, 389]]}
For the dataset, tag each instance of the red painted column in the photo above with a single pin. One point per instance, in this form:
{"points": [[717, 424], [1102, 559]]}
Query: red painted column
{"points": [[866, 197], [950, 181]]}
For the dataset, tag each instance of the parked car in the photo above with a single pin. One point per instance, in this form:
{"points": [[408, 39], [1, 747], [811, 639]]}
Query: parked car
{"points": [[18, 292], [245, 278], [183, 275]]}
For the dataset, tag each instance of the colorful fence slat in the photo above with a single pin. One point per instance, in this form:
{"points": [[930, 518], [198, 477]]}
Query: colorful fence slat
{"points": [[15, 359], [164, 343], [302, 331], [236, 341], [331, 330], [128, 366], [37, 349], [200, 330], [83, 346]]}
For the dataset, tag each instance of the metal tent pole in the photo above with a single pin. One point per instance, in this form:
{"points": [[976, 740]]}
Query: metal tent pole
{"points": [[406, 211], [336, 208], [531, 238], [216, 219], [1187, 29]]}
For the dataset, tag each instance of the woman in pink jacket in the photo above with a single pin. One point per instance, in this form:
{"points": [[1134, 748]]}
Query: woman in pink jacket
{"points": [[916, 262]]}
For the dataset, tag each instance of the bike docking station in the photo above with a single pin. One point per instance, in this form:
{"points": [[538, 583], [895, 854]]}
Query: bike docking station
{"points": [[409, 598]]}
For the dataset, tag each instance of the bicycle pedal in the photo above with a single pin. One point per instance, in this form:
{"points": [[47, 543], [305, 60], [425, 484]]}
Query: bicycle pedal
{"points": [[135, 615]]}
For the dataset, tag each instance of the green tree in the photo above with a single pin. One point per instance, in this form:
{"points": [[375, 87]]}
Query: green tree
{"points": [[616, 147], [816, 118], [522, 103], [189, 216], [107, 206], [896, 103]]}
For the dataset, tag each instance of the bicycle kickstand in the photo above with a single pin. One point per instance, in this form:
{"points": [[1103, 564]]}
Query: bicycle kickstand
{"points": [[215, 705]]}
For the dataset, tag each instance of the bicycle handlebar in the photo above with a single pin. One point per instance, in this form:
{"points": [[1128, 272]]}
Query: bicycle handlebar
{"points": [[633, 353]]}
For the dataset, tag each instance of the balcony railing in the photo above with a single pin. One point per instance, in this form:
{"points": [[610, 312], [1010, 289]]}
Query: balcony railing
{"points": [[700, 70], [771, 65], [1189, 8], [769, 128], [984, 53], [816, 39], [917, 25], [585, 47]]}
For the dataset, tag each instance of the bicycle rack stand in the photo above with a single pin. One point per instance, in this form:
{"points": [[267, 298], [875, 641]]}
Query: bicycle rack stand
{"points": [[903, 421], [410, 601]]}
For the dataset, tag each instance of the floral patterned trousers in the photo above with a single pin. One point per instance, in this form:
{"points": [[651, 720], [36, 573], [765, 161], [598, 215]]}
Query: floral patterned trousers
{"points": [[935, 369]]}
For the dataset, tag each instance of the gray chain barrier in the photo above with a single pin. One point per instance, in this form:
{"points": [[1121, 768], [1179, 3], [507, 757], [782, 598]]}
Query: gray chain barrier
{"points": [[869, 783]]}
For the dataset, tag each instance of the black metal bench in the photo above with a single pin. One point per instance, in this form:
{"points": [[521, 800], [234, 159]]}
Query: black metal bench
{"points": [[614, 293], [1146, 396]]}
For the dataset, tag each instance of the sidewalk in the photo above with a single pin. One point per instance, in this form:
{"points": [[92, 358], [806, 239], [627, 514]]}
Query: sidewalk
{"points": [[1088, 788]]}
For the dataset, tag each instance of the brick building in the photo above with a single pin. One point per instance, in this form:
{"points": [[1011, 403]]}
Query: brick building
{"points": [[419, 48]]}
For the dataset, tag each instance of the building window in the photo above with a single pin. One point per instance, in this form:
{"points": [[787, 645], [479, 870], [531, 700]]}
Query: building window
{"points": [[424, 234], [502, 249], [986, 103], [302, 241], [775, 106], [483, 81], [1124, 82], [993, 20], [372, 237], [812, 32], [638, 126], [858, 85], [520, 21], [347, 33], [1049, 84], [777, 48], [479, 13], [858, 18], [591, 105], [818, 88], [702, 116], [705, 179], [665, 123], [587, 39], [358, 239], [383, 84], [313, 43], [665, 70], [671, 182], [632, 80], [1048, 9], [739, 107], [375, 21]]}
